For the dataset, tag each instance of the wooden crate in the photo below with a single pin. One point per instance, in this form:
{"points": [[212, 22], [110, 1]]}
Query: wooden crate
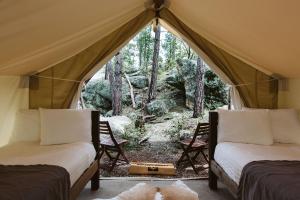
{"points": [[152, 168]]}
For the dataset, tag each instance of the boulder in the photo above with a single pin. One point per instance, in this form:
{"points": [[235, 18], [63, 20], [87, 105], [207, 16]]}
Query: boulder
{"points": [[139, 81], [138, 101], [117, 124], [97, 94], [159, 107], [103, 89], [131, 69], [108, 114], [173, 79], [184, 80], [185, 134], [94, 100]]}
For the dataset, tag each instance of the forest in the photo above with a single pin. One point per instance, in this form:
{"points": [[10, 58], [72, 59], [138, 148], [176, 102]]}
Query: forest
{"points": [[153, 92]]}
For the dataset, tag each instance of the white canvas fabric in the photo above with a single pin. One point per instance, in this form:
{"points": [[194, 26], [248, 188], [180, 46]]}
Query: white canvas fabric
{"points": [[75, 157], [23, 24], [13, 97], [27, 126], [285, 126], [60, 126], [252, 127], [232, 157]]}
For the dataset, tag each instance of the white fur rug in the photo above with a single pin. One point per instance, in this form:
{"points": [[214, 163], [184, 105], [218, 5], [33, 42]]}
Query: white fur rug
{"points": [[142, 191]]}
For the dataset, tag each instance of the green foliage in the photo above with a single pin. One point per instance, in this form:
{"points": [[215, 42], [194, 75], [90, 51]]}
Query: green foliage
{"points": [[215, 91], [128, 53], [145, 45], [176, 59], [133, 135], [170, 46], [177, 125]]}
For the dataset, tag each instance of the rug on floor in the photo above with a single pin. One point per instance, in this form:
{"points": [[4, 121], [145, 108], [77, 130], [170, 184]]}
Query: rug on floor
{"points": [[142, 191]]}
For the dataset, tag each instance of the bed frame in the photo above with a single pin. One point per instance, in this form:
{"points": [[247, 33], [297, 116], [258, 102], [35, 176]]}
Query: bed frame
{"points": [[92, 173], [215, 170]]}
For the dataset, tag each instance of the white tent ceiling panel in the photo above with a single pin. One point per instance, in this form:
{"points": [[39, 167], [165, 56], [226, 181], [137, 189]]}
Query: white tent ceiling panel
{"points": [[36, 34], [263, 33]]}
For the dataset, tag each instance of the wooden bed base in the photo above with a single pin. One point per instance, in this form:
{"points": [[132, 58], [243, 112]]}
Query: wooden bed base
{"points": [[92, 173], [216, 172]]}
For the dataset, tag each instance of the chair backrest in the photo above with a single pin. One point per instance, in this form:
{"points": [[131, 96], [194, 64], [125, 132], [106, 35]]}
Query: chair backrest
{"points": [[104, 128], [203, 131]]}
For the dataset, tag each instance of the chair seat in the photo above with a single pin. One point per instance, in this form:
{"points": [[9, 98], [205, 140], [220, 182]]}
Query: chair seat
{"points": [[198, 143], [109, 142]]}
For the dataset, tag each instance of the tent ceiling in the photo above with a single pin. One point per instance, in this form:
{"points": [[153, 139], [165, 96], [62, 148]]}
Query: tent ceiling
{"points": [[37, 34]]}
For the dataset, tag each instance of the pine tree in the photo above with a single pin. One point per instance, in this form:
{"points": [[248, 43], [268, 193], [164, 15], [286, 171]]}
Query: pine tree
{"points": [[117, 86], [199, 91], [153, 82]]}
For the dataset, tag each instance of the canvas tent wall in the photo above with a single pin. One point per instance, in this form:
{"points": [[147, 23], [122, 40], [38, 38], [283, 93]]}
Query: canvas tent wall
{"points": [[248, 40]]}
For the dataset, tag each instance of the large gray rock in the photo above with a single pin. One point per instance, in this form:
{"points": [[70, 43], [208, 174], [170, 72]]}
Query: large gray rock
{"points": [[138, 100], [117, 124], [97, 94], [173, 79], [139, 81], [184, 80], [103, 89], [131, 69], [160, 107]]}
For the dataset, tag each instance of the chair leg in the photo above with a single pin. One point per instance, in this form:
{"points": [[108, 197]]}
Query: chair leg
{"points": [[192, 163], [123, 155], [204, 156], [114, 162], [196, 155], [101, 154], [108, 155], [182, 156]]}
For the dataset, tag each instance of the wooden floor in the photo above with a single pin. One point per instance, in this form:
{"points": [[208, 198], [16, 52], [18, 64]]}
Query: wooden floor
{"points": [[111, 188]]}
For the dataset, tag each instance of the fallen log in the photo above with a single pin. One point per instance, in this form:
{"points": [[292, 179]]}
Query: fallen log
{"points": [[131, 91]]}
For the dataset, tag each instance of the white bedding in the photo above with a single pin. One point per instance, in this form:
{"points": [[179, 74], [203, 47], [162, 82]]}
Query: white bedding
{"points": [[75, 157], [232, 157]]}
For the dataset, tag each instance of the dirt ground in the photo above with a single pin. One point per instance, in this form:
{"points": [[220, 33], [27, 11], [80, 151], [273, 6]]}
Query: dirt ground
{"points": [[159, 147], [156, 152]]}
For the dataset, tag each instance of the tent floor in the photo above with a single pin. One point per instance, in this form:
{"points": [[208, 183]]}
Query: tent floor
{"points": [[111, 188]]}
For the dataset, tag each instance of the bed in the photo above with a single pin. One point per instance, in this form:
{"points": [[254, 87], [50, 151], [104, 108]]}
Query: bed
{"points": [[228, 161], [79, 159]]}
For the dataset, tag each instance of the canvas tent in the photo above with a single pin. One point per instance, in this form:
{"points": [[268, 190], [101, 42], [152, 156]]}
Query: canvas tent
{"points": [[48, 48]]}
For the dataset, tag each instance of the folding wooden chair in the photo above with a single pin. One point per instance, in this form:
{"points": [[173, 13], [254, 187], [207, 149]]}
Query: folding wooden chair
{"points": [[195, 146], [109, 144]]}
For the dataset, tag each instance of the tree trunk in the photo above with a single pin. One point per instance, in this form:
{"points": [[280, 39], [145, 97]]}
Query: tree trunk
{"points": [[117, 86], [153, 82], [199, 91]]}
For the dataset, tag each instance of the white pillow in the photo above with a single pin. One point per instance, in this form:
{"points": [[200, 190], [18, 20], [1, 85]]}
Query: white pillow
{"points": [[26, 127], [285, 126], [60, 126], [252, 127]]}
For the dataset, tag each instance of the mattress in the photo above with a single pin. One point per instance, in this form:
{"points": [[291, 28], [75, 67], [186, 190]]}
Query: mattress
{"points": [[232, 157], [75, 157]]}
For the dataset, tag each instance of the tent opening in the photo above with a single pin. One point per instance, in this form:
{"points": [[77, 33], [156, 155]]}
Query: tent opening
{"points": [[186, 90]]}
